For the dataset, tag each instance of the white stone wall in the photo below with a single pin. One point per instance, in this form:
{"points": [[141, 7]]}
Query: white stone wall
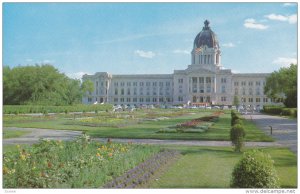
{"points": [[250, 89]]}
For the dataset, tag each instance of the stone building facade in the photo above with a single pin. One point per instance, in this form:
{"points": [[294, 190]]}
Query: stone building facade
{"points": [[205, 82]]}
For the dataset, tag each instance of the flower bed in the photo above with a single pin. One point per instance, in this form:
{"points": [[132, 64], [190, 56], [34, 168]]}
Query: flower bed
{"points": [[193, 123], [142, 173], [81, 163], [198, 125]]}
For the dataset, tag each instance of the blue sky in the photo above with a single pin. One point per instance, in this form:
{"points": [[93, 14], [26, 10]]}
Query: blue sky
{"points": [[133, 38]]}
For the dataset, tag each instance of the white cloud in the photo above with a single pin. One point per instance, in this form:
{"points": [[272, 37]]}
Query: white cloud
{"points": [[251, 23], [29, 60], [235, 71], [145, 54], [292, 19], [76, 75], [229, 45], [289, 4], [284, 61], [48, 61], [179, 51]]}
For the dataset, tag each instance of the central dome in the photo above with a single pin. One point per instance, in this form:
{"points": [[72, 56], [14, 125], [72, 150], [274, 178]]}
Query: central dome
{"points": [[206, 37]]}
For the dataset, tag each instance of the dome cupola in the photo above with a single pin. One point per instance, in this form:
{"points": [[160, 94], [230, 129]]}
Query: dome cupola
{"points": [[206, 51], [206, 37]]}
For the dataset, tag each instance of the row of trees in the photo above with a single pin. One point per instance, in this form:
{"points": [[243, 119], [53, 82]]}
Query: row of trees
{"points": [[41, 84], [283, 82]]}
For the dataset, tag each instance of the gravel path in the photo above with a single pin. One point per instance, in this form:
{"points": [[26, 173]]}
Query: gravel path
{"points": [[36, 134], [188, 142], [284, 130]]}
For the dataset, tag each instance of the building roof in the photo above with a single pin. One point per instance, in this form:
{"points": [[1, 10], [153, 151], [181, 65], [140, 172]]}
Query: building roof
{"points": [[206, 37]]}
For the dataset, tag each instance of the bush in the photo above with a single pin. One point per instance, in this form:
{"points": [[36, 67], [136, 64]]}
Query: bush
{"points": [[279, 110], [273, 109], [289, 112], [234, 117], [237, 135], [255, 170], [238, 121]]}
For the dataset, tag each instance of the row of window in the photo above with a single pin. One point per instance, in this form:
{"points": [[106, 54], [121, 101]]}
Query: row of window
{"points": [[201, 99], [128, 84], [100, 99], [101, 83], [250, 91], [250, 83], [243, 100], [101, 91], [205, 59], [148, 99], [141, 92], [201, 80], [209, 89]]}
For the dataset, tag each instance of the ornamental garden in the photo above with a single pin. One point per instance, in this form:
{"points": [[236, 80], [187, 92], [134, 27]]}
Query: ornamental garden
{"points": [[97, 160]]}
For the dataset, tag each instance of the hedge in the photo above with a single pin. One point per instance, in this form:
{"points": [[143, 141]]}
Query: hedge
{"points": [[22, 109], [280, 110]]}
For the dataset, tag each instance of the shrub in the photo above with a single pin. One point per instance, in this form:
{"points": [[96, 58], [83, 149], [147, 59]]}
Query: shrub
{"points": [[237, 135], [255, 170], [273, 109], [289, 112], [279, 110], [238, 121], [234, 117], [45, 112]]}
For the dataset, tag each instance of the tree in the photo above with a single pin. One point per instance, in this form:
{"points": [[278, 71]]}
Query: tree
{"points": [[87, 86], [237, 135], [39, 84], [283, 82], [236, 101]]}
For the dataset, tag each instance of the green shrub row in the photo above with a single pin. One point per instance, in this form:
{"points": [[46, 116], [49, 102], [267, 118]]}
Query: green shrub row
{"points": [[237, 132], [22, 109], [280, 110]]}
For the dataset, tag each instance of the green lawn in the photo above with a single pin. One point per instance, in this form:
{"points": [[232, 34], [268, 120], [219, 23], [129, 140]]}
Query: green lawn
{"points": [[211, 167], [145, 129], [13, 133]]}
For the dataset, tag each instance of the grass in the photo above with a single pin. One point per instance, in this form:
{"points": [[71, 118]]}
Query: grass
{"points": [[144, 128], [211, 167], [13, 133]]}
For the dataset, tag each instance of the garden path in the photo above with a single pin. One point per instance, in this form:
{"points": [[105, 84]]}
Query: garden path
{"points": [[36, 134], [284, 130]]}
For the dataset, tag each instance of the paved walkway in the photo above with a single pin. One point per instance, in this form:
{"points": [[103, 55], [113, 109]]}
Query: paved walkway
{"points": [[284, 130], [188, 142], [37, 134]]}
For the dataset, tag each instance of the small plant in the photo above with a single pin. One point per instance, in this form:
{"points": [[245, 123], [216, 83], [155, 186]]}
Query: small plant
{"points": [[45, 112], [238, 121], [234, 117], [237, 135], [255, 170]]}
